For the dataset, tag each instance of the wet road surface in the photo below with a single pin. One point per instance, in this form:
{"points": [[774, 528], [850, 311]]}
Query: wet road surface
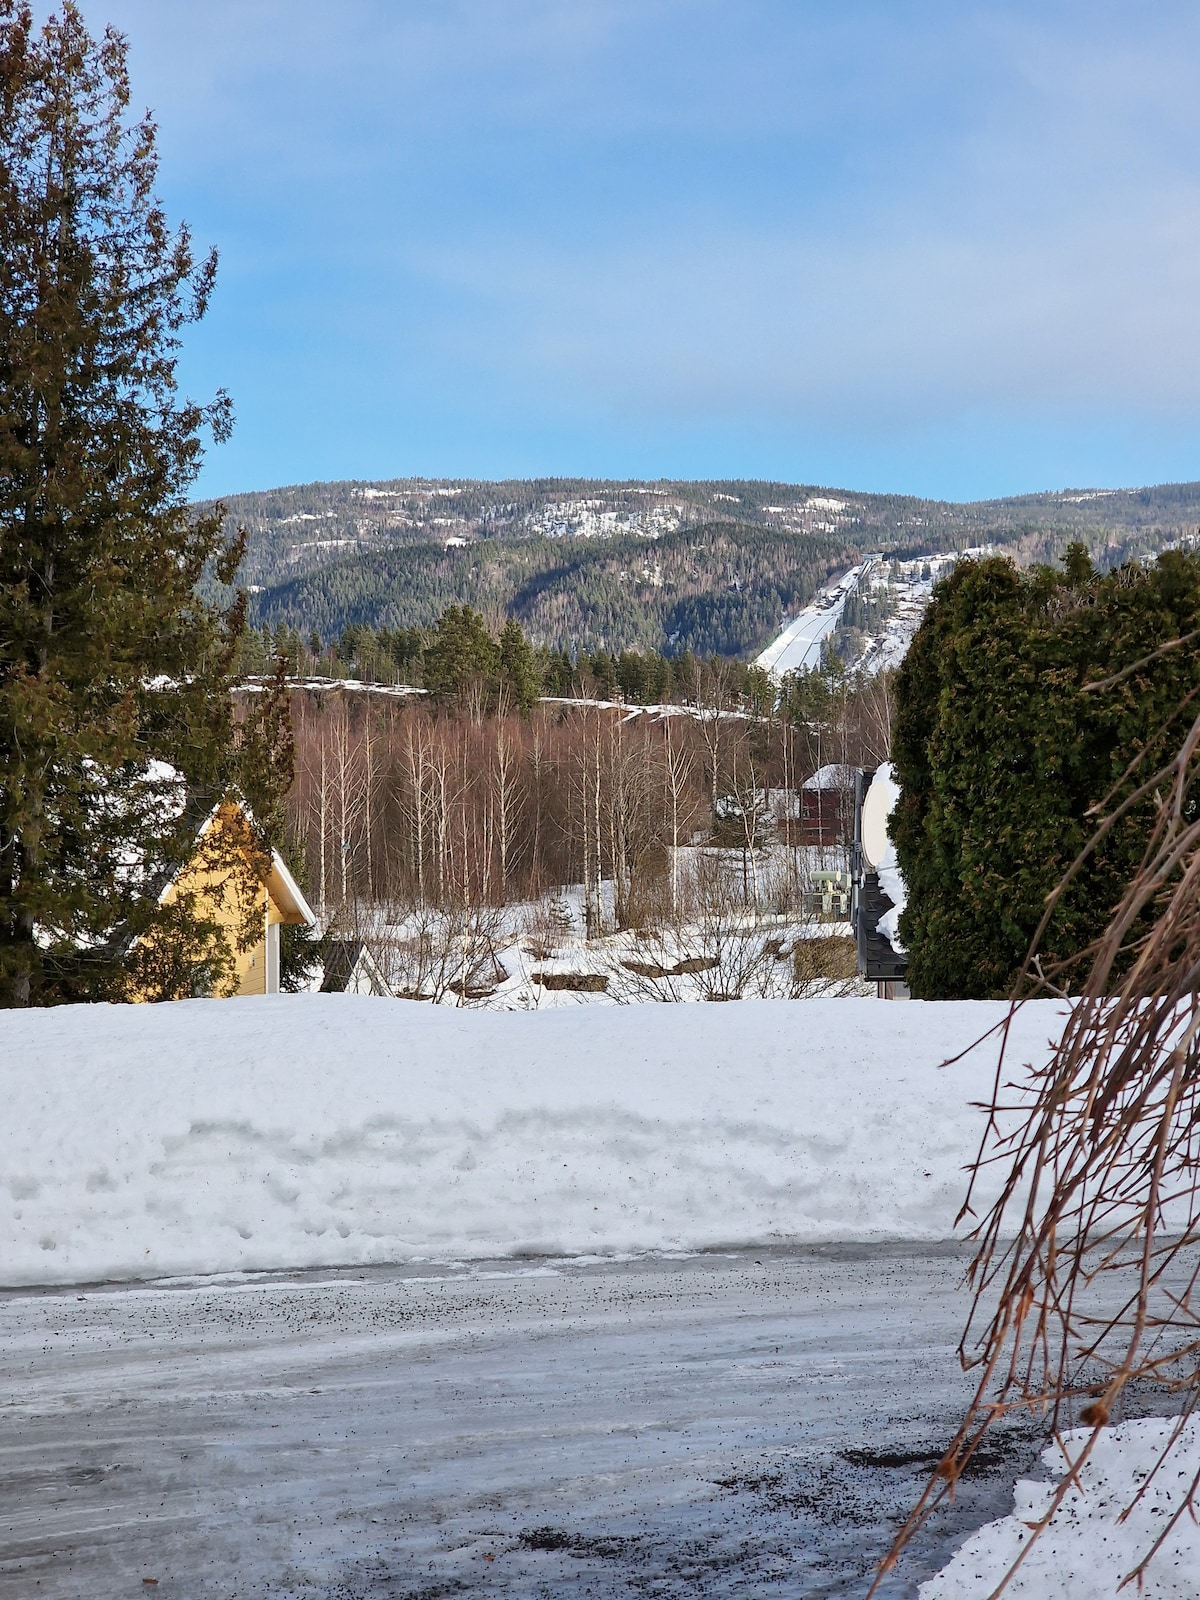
{"points": [[741, 1424]]}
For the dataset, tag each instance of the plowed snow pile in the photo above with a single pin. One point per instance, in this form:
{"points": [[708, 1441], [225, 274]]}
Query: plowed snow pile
{"points": [[311, 1130], [1087, 1550]]}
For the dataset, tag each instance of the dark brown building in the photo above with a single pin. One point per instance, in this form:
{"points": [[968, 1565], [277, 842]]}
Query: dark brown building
{"points": [[826, 807]]}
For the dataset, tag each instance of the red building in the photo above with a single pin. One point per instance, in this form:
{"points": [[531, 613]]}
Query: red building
{"points": [[827, 807]]}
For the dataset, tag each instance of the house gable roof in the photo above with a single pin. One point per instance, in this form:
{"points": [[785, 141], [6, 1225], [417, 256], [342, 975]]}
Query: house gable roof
{"points": [[281, 885], [343, 959], [830, 777]]}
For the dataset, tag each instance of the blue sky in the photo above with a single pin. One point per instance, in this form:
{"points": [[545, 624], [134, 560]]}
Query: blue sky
{"points": [[943, 248]]}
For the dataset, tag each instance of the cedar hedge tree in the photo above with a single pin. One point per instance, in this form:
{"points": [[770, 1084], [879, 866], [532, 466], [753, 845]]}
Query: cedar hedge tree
{"points": [[1001, 756]]}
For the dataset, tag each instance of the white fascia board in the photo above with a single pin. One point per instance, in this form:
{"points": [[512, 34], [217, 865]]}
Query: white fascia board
{"points": [[366, 961], [286, 892]]}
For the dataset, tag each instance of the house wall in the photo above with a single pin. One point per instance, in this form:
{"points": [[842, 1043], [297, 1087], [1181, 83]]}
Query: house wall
{"points": [[824, 815], [224, 876], [252, 964], [254, 967], [219, 900], [220, 904]]}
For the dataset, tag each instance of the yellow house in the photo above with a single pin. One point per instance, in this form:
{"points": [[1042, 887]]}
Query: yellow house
{"points": [[228, 881]]}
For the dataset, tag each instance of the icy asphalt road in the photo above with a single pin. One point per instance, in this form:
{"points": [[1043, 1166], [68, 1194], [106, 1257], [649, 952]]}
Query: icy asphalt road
{"points": [[722, 1425]]}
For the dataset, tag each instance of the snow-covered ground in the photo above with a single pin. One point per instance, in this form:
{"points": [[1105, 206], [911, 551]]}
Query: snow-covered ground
{"points": [[627, 1344], [1090, 1548], [724, 944], [592, 519], [758, 955], [308, 1130]]}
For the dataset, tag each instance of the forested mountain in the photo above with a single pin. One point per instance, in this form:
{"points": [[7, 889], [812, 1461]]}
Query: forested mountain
{"points": [[718, 588], [581, 564]]}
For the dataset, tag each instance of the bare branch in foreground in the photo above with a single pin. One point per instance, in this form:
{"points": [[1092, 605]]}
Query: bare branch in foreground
{"points": [[1086, 1270]]}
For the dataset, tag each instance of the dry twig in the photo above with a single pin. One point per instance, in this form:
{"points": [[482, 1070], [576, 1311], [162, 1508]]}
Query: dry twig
{"points": [[1100, 1207]]}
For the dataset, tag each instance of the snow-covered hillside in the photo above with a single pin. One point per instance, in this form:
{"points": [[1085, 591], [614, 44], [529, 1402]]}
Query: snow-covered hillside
{"points": [[903, 588], [318, 1129], [798, 648]]}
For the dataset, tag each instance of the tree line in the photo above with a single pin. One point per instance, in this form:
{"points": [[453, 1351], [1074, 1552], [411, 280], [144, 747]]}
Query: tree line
{"points": [[460, 655], [416, 802]]}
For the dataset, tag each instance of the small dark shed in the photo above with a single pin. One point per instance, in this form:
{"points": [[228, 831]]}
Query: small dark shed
{"points": [[350, 968]]}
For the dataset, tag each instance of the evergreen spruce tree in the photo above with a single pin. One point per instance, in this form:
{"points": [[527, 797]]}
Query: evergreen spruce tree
{"points": [[114, 678], [519, 676]]}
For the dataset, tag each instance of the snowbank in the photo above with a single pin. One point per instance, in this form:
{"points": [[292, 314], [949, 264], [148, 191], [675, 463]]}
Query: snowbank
{"points": [[311, 1130], [891, 881], [884, 793], [1086, 1551]]}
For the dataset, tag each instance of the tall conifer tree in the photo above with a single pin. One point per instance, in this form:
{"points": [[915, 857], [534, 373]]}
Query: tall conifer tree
{"points": [[114, 677], [518, 669]]}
